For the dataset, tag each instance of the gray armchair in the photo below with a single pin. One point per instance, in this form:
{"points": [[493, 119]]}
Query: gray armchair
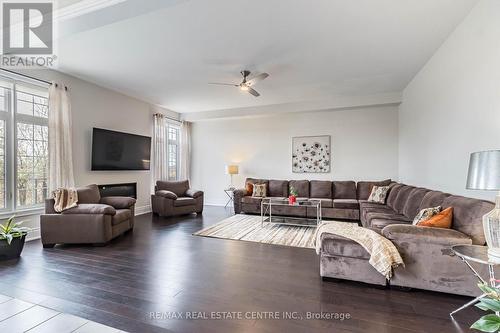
{"points": [[95, 220], [176, 198]]}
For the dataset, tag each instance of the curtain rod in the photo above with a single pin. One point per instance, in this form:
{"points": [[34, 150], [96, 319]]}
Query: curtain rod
{"points": [[177, 120], [30, 77]]}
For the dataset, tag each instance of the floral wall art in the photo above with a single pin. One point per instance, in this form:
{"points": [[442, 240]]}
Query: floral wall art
{"points": [[311, 154]]}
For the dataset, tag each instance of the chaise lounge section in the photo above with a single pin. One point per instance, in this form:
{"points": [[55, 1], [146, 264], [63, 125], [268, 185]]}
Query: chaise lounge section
{"points": [[429, 262]]}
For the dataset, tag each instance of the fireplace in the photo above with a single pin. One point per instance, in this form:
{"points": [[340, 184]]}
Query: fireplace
{"points": [[120, 190]]}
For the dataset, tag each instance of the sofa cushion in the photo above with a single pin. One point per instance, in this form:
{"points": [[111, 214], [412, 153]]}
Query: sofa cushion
{"points": [[118, 202], [166, 194], [364, 188], [121, 216], [91, 209], [325, 203], [184, 201], [251, 200], [402, 198], [386, 216], [334, 245], [467, 216], [278, 188], [88, 194], [393, 193], [346, 203], [301, 186], [378, 194], [412, 205], [413, 234], [382, 223], [321, 189], [178, 187], [442, 219], [344, 189], [259, 191], [433, 199]]}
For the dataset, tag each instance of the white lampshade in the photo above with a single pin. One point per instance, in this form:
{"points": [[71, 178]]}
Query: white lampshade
{"points": [[231, 169], [484, 170]]}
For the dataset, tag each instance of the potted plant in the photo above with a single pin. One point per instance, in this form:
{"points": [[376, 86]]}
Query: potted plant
{"points": [[292, 198], [491, 302], [12, 237]]}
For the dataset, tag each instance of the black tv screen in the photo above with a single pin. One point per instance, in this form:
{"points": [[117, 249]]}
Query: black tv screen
{"points": [[113, 150]]}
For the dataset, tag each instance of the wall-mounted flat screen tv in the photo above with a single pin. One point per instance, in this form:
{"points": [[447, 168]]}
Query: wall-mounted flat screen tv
{"points": [[113, 150]]}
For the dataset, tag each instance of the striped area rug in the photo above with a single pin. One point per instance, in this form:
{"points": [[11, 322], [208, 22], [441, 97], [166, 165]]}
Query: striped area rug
{"points": [[248, 228]]}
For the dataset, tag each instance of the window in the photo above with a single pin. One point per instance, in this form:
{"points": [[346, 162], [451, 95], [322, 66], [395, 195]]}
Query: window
{"points": [[23, 145], [173, 151]]}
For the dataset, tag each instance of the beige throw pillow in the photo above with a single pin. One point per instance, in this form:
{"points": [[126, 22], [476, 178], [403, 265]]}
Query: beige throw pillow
{"points": [[259, 190], [378, 194], [426, 214]]}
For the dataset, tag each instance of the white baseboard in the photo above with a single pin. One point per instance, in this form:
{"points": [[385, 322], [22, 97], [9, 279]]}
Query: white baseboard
{"points": [[142, 210], [216, 204]]}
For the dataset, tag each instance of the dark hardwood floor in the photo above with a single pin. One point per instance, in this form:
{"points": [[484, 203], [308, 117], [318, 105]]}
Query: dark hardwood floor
{"points": [[161, 267]]}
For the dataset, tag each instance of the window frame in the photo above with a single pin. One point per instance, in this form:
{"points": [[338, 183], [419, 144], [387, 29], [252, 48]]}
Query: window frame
{"points": [[177, 150], [12, 118]]}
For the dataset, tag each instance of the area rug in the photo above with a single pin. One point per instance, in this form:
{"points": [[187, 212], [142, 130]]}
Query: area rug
{"points": [[248, 228]]}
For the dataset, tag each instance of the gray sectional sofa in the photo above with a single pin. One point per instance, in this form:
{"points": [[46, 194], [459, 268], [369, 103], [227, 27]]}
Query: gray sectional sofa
{"points": [[429, 261], [339, 199]]}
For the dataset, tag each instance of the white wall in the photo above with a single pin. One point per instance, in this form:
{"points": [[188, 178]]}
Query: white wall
{"points": [[364, 147], [452, 107], [95, 106]]}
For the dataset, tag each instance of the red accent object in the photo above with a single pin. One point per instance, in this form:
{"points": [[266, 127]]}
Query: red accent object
{"points": [[292, 199]]}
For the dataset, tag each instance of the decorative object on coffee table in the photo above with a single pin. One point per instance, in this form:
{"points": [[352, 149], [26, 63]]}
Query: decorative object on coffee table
{"points": [[231, 170], [12, 237], [484, 174], [311, 154], [292, 198]]}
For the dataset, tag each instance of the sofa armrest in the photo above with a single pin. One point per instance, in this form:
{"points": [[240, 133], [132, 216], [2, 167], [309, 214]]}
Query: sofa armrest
{"points": [[118, 202], [426, 235], [237, 195], [90, 209], [49, 206], [166, 194], [194, 193]]}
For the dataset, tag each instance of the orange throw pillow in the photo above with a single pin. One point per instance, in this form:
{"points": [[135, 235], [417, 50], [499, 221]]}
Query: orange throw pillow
{"points": [[249, 188], [440, 220]]}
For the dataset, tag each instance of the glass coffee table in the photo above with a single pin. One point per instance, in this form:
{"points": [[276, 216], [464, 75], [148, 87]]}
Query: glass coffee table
{"points": [[274, 210], [477, 254]]}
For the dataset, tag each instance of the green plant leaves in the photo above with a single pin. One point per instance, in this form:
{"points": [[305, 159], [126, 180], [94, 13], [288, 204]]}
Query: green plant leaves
{"points": [[11, 230], [489, 304], [487, 323]]}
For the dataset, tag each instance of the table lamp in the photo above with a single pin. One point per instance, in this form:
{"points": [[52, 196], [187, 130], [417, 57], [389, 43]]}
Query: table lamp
{"points": [[231, 170], [484, 174]]}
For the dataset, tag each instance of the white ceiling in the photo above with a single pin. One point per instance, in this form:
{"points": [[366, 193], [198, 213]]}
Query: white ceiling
{"points": [[167, 51]]}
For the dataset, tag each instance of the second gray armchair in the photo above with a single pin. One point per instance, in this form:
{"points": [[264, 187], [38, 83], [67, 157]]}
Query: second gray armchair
{"points": [[173, 198]]}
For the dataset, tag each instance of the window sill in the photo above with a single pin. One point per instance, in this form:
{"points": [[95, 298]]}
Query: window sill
{"points": [[22, 212]]}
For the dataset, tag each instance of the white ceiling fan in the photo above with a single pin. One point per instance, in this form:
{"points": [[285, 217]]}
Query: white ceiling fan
{"points": [[246, 85]]}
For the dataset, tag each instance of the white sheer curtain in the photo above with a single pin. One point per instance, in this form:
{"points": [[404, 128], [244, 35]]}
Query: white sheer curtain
{"points": [[185, 151], [60, 139], [160, 166]]}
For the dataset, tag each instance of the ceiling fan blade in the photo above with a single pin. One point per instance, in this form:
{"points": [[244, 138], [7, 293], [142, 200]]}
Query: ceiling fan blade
{"points": [[253, 92], [223, 84], [257, 78]]}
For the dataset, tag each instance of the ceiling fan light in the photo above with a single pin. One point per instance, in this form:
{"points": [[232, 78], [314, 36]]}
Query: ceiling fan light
{"points": [[244, 87]]}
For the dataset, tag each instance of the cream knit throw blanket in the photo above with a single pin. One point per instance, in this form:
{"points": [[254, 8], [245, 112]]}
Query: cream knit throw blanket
{"points": [[383, 254], [65, 198]]}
